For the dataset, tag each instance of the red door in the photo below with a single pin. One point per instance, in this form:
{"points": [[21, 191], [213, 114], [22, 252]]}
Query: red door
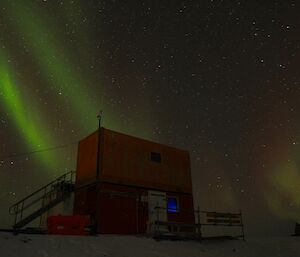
{"points": [[118, 214]]}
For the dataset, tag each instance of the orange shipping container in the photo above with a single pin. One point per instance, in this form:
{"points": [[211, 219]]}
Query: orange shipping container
{"points": [[132, 161]]}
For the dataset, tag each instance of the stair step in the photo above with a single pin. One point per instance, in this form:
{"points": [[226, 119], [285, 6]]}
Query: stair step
{"points": [[59, 189], [38, 213]]}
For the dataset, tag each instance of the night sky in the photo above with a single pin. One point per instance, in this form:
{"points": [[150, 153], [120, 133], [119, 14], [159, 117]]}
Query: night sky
{"points": [[218, 78]]}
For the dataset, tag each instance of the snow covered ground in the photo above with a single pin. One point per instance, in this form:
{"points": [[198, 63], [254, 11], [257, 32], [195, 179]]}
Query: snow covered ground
{"points": [[130, 246]]}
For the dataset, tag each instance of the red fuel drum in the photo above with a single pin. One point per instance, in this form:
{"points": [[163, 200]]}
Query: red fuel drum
{"points": [[68, 225]]}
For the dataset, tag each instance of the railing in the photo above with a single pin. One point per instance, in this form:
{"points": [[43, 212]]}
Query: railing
{"points": [[163, 228], [224, 219], [180, 230], [36, 200]]}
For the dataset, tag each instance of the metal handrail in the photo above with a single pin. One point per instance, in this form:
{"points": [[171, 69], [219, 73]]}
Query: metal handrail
{"points": [[185, 210], [196, 226], [13, 210], [217, 212]]}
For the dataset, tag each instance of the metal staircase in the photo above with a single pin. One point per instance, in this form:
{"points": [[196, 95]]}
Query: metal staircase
{"points": [[42, 200]]}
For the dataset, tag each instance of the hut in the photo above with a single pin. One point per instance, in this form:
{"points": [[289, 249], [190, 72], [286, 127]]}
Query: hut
{"points": [[126, 183]]}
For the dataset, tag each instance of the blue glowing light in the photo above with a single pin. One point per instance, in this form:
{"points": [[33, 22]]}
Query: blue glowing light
{"points": [[172, 205]]}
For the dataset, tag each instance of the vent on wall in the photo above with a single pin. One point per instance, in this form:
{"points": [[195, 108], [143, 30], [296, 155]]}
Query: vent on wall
{"points": [[156, 157]]}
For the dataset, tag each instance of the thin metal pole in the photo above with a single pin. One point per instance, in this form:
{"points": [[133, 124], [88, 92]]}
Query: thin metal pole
{"points": [[137, 213], [22, 208], [157, 213], [98, 212], [199, 223], [98, 144], [243, 233], [17, 214]]}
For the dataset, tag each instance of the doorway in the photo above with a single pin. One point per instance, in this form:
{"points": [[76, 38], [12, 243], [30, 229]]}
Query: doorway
{"points": [[157, 206]]}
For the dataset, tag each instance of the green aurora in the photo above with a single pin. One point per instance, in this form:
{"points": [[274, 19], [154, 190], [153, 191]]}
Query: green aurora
{"points": [[50, 55], [52, 60], [22, 113]]}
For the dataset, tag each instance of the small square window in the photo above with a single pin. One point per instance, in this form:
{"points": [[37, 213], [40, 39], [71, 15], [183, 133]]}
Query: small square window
{"points": [[173, 205], [155, 157]]}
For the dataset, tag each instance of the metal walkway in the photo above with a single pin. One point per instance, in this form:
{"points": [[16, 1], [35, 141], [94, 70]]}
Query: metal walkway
{"points": [[42, 200]]}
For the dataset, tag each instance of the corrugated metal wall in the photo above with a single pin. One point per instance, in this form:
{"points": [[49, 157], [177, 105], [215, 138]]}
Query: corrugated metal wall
{"points": [[127, 160]]}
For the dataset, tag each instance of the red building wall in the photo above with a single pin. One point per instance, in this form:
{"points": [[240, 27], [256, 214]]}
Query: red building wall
{"points": [[120, 209], [186, 207], [127, 160], [86, 171], [86, 201]]}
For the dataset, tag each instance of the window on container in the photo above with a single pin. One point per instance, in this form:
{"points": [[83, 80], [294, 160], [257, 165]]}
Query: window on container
{"points": [[155, 157], [173, 205]]}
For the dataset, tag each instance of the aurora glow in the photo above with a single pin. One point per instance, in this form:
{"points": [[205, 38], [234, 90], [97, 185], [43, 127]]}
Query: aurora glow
{"points": [[55, 64], [23, 114], [285, 192], [281, 181], [217, 78]]}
